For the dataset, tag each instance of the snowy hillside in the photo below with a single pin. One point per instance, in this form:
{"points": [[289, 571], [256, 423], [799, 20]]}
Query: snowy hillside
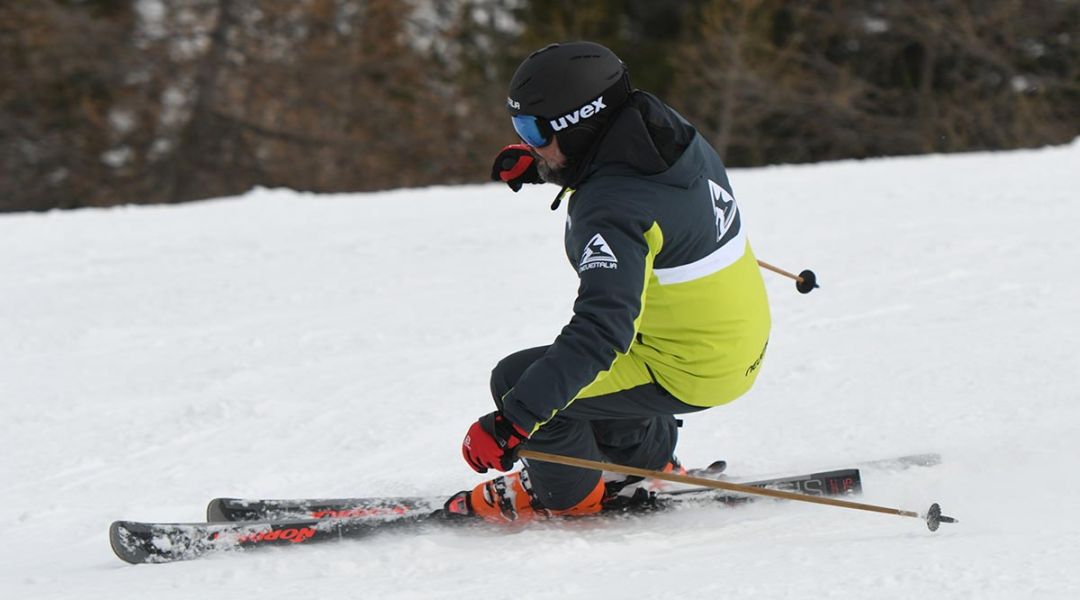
{"points": [[284, 344]]}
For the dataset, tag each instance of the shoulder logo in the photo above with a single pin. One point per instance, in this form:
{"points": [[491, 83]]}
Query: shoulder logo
{"points": [[724, 208], [598, 255]]}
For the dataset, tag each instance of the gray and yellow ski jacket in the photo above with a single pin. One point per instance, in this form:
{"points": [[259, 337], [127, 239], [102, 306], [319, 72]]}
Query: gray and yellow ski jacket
{"points": [[670, 292]]}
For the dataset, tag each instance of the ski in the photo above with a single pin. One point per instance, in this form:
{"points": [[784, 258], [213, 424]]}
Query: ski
{"points": [[224, 510], [889, 464], [238, 509], [138, 543], [900, 463]]}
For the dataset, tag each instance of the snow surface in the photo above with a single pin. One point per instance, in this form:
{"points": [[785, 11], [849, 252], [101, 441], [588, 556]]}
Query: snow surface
{"points": [[284, 344]]}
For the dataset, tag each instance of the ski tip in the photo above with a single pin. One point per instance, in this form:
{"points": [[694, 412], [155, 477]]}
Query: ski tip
{"points": [[717, 467], [125, 543], [929, 459], [899, 463], [215, 510]]}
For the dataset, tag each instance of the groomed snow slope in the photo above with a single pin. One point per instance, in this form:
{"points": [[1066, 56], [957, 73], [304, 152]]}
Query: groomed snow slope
{"points": [[283, 344]]}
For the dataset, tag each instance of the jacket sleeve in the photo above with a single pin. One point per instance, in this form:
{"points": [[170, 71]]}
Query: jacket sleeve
{"points": [[612, 248]]}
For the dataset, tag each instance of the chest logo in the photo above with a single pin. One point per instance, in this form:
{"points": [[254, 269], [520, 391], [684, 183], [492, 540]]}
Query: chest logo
{"points": [[597, 255]]}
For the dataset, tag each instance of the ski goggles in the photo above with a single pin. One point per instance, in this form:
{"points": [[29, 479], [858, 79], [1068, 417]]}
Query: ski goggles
{"points": [[534, 131]]}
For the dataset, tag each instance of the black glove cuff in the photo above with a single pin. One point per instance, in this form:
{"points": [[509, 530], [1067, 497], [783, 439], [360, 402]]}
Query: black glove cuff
{"points": [[501, 429]]}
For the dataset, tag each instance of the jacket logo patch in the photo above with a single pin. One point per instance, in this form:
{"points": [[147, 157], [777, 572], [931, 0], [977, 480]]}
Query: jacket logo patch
{"points": [[597, 255], [724, 208]]}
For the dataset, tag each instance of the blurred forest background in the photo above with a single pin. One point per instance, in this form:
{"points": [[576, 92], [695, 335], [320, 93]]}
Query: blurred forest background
{"points": [[108, 102]]}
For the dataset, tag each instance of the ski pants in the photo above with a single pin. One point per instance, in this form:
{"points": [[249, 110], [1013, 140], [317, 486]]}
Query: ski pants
{"points": [[634, 427]]}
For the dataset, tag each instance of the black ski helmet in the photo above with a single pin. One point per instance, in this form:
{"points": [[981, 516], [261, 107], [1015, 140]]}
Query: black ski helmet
{"points": [[573, 89]]}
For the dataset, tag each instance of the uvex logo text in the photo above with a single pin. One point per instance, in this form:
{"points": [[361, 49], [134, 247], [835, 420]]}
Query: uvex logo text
{"points": [[584, 112]]}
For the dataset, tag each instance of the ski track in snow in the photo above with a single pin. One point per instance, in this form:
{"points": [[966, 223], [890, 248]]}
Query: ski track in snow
{"points": [[283, 344]]}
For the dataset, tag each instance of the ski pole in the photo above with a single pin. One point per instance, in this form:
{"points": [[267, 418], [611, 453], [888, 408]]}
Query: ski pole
{"points": [[805, 282], [933, 516]]}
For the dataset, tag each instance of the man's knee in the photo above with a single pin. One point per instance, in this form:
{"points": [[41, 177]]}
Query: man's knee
{"points": [[507, 371], [642, 443]]}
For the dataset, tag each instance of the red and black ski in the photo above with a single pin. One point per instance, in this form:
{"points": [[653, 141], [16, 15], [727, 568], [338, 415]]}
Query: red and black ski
{"points": [[304, 522], [237, 509], [139, 543]]}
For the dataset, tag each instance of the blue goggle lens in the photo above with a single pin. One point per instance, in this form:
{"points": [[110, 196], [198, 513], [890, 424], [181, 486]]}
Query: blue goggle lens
{"points": [[528, 129]]}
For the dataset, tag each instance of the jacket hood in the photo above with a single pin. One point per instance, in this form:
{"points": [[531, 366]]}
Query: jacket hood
{"points": [[646, 138]]}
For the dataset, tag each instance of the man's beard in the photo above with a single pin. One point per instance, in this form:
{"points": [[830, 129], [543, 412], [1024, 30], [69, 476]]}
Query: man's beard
{"points": [[558, 175]]}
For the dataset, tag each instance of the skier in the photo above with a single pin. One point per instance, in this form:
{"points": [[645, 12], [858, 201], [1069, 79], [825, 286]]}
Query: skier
{"points": [[671, 314]]}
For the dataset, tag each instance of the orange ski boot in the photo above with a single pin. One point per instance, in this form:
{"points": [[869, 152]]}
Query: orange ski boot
{"points": [[510, 499]]}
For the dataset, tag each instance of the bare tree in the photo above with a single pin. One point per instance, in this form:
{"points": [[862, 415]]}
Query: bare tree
{"points": [[111, 101], [778, 81]]}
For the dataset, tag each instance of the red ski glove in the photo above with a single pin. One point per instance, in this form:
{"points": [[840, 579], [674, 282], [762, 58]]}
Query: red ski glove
{"points": [[492, 443], [515, 165]]}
